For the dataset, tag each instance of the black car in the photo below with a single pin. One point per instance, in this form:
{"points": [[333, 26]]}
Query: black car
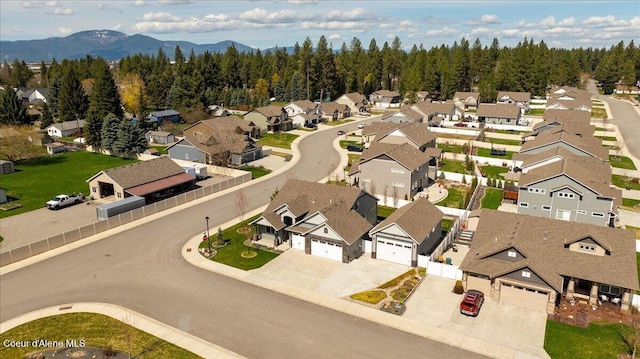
{"points": [[354, 148], [340, 132]]}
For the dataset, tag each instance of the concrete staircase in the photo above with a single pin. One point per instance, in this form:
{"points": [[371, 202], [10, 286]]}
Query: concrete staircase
{"points": [[464, 237]]}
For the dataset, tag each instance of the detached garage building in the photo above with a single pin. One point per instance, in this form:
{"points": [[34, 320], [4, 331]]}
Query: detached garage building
{"points": [[532, 262], [412, 230], [154, 180]]}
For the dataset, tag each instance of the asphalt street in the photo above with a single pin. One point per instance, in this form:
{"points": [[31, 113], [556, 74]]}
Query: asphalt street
{"points": [[142, 269]]}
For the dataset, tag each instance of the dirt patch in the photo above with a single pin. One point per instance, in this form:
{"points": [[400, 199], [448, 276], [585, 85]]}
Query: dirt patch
{"points": [[79, 353], [581, 314]]}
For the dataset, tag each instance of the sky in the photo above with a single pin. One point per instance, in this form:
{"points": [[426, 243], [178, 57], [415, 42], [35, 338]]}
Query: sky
{"points": [[264, 24]]}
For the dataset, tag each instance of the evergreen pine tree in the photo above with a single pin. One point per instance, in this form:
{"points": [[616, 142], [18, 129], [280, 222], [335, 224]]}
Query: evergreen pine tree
{"points": [[72, 100], [109, 133], [11, 109]]}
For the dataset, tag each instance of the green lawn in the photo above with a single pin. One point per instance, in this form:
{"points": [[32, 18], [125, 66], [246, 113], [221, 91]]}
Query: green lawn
{"points": [[97, 330], [337, 123], [622, 162], [344, 143], [453, 166], [486, 152], [598, 112], [161, 149], [493, 171], [536, 112], [603, 129], [509, 132], [598, 341], [628, 202], [231, 253], [352, 159], [455, 198], [384, 212], [492, 198], [450, 148], [280, 139], [37, 181], [446, 224], [607, 138], [623, 182], [502, 141], [256, 172]]}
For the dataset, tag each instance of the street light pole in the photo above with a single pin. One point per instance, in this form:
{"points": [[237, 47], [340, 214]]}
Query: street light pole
{"points": [[208, 237]]}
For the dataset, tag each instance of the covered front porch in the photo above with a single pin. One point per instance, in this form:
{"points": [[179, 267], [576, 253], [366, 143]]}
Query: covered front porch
{"points": [[596, 294]]}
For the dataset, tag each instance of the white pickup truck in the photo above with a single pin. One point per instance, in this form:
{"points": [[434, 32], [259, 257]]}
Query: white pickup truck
{"points": [[63, 200]]}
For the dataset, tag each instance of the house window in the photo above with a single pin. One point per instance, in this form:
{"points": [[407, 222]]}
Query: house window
{"points": [[610, 289], [397, 170], [326, 230], [398, 184], [511, 254], [581, 211], [186, 156], [597, 214], [546, 208], [563, 214], [119, 195], [526, 274], [588, 248], [565, 195], [94, 189], [524, 204]]}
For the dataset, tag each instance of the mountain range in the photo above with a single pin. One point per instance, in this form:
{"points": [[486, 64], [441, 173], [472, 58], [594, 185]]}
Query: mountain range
{"points": [[108, 44]]}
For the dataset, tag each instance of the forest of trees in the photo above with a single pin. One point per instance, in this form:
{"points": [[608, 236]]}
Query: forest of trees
{"points": [[88, 89]]}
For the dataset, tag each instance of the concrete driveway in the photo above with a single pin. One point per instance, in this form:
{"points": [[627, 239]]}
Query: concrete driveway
{"points": [[434, 303], [326, 276]]}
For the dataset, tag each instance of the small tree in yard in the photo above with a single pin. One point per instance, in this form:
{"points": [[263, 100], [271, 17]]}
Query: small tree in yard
{"points": [[220, 239], [631, 334], [241, 207]]}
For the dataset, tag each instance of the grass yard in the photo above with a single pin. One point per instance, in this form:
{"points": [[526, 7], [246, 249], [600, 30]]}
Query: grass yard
{"points": [[231, 253], [598, 341], [621, 162], [256, 172], [493, 171], [344, 144], [453, 166], [603, 129], [536, 112], [502, 141], [338, 122], [161, 149], [628, 202], [446, 224], [450, 148], [486, 152], [455, 198], [280, 139], [352, 159], [607, 138], [97, 330], [598, 112], [624, 182], [384, 212], [37, 181], [492, 198], [370, 296], [509, 132]]}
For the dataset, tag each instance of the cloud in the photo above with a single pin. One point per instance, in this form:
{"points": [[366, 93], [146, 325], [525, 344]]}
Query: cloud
{"points": [[391, 36], [548, 22], [600, 21], [261, 16], [436, 21], [406, 26], [353, 14], [139, 3], [484, 20], [445, 31], [570, 21], [175, 2], [160, 16], [60, 11], [64, 30], [334, 25], [386, 26], [302, 2], [335, 37]]}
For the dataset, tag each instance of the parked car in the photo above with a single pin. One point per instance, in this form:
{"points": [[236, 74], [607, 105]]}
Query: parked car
{"points": [[354, 148], [472, 302], [460, 124], [361, 125], [312, 126], [340, 133]]}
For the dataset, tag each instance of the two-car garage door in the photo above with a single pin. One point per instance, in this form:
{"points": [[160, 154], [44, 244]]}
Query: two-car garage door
{"points": [[326, 250], [524, 297], [393, 251]]}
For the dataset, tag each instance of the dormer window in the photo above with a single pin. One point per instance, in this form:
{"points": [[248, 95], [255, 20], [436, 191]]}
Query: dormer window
{"points": [[526, 274], [565, 195], [511, 254], [588, 248]]}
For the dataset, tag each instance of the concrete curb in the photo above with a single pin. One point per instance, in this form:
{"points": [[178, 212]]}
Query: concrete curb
{"points": [[139, 321]]}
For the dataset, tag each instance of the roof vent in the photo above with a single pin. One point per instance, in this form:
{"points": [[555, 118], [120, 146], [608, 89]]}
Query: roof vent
{"points": [[545, 236]]}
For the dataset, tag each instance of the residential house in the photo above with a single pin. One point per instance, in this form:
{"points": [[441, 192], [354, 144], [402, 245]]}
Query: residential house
{"points": [[577, 125], [520, 99], [466, 100], [405, 115], [217, 111], [628, 90], [581, 146], [395, 171], [269, 118], [297, 107], [3, 195], [321, 219], [567, 93], [533, 262], [573, 188], [333, 111], [416, 134], [413, 229], [160, 117], [219, 141], [357, 102], [579, 103], [303, 112], [370, 131], [65, 129], [55, 148], [385, 98], [154, 180], [445, 110], [499, 114], [32, 96], [160, 137]]}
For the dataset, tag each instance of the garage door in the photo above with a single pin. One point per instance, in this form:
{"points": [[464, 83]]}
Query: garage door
{"points": [[297, 241], [481, 284], [524, 297], [326, 250], [393, 251]]}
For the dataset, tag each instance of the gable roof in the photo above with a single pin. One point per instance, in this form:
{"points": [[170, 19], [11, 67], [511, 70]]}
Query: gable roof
{"points": [[408, 113], [164, 113], [589, 145], [139, 173], [404, 154], [355, 97], [269, 111], [377, 127], [386, 93], [516, 96], [349, 225], [68, 125], [331, 107], [417, 219], [416, 132], [463, 96], [543, 242], [302, 104], [498, 110]]}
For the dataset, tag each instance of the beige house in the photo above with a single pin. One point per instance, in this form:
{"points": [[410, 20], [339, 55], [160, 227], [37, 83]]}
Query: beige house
{"points": [[581, 146], [499, 114], [466, 100], [520, 99], [269, 118], [356, 101], [533, 262]]}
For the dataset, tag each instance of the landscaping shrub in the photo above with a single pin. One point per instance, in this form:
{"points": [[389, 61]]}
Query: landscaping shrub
{"points": [[458, 288]]}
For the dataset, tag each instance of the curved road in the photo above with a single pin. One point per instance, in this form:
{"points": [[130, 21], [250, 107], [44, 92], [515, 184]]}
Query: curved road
{"points": [[142, 269]]}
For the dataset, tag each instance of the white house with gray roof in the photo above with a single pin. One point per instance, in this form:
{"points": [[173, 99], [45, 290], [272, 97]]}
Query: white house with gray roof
{"points": [[65, 129]]}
